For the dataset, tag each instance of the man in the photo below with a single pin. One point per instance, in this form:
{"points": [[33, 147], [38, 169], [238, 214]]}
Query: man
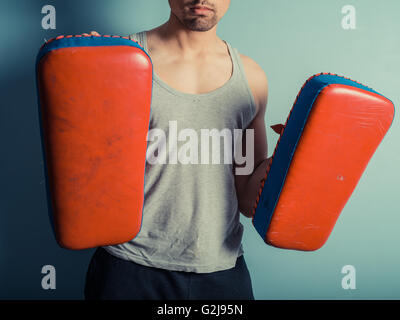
{"points": [[189, 246]]}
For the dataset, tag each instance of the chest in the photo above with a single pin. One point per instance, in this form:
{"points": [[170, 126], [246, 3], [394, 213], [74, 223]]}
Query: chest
{"points": [[195, 74]]}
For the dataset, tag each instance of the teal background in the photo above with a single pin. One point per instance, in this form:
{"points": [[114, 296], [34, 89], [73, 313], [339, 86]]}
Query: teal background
{"points": [[291, 40]]}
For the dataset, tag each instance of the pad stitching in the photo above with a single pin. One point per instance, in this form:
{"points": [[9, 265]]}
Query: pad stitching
{"points": [[88, 36]]}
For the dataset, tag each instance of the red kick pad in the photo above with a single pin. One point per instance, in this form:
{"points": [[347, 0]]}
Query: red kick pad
{"points": [[94, 107], [333, 129]]}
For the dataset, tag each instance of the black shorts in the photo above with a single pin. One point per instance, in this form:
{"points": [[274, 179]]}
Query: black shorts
{"points": [[110, 278]]}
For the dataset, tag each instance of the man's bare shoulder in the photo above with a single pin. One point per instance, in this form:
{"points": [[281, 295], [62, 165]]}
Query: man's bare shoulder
{"points": [[257, 79]]}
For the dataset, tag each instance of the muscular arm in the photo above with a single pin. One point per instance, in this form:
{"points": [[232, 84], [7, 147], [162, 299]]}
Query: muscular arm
{"points": [[247, 186]]}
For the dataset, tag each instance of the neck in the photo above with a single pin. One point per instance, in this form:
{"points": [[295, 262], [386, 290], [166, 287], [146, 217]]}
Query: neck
{"points": [[186, 40]]}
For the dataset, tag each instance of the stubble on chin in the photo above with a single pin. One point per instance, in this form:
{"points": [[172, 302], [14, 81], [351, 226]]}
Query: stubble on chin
{"points": [[201, 24]]}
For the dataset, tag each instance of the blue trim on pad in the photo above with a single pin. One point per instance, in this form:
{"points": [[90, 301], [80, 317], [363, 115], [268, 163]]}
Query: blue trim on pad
{"points": [[93, 41], [287, 145]]}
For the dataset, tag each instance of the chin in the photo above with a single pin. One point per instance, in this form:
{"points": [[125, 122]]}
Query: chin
{"points": [[199, 24]]}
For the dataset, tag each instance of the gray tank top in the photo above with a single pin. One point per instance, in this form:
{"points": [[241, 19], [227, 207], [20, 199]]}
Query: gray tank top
{"points": [[190, 215]]}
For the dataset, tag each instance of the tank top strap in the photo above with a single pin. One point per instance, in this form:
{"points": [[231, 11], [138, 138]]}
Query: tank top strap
{"points": [[234, 56], [240, 72], [140, 38]]}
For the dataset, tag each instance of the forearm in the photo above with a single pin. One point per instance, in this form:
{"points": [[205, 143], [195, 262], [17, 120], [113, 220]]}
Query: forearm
{"points": [[248, 191]]}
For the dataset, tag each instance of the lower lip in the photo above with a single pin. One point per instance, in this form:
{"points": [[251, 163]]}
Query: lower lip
{"points": [[200, 11]]}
